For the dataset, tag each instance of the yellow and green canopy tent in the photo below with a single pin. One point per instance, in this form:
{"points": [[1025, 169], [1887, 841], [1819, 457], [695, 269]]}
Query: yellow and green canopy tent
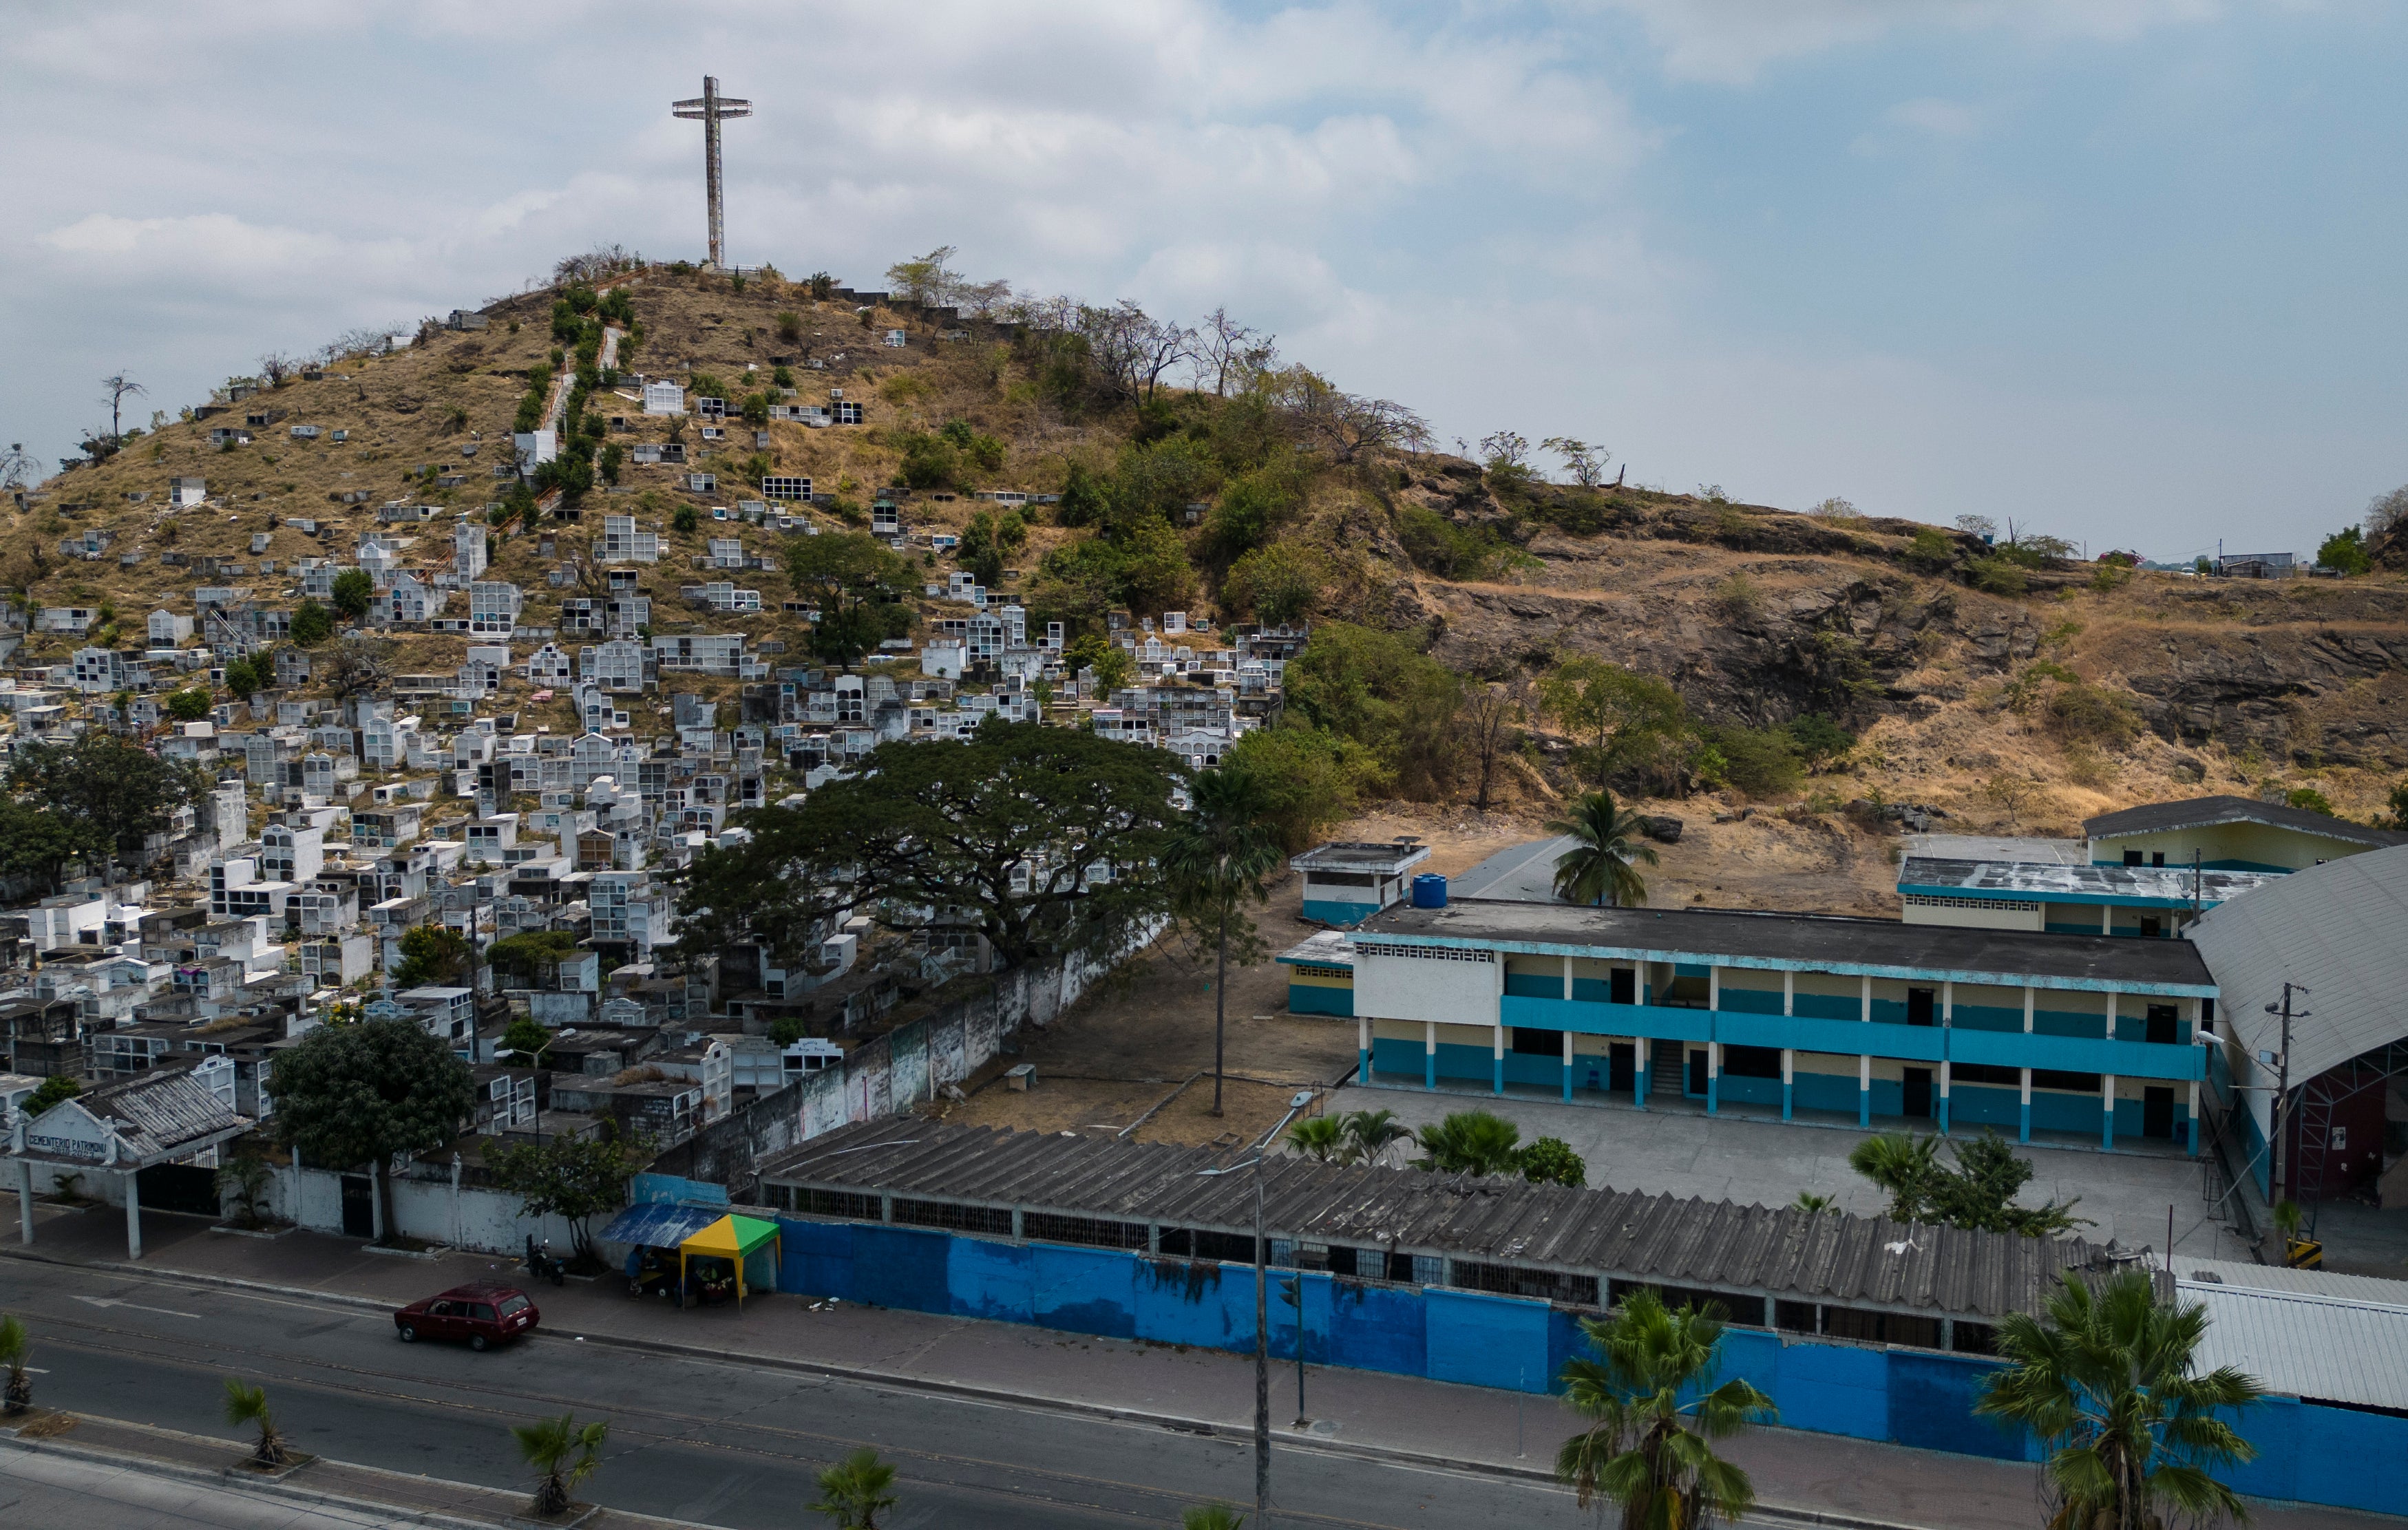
{"points": [[734, 1239]]}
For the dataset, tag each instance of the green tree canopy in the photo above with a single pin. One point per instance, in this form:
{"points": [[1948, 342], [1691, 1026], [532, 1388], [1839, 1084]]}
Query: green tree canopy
{"points": [[1601, 867], [364, 1093], [852, 578], [575, 1178], [1309, 779], [110, 793], [434, 954], [1624, 719], [353, 593], [1978, 1193], [1375, 689], [312, 624], [35, 841], [189, 705], [2345, 552], [1043, 840], [524, 956]]}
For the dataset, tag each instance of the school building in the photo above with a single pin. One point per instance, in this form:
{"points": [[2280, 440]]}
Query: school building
{"points": [[1858, 1019]]}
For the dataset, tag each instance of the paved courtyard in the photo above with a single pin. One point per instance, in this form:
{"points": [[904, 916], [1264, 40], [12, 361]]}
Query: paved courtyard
{"points": [[1680, 1150]]}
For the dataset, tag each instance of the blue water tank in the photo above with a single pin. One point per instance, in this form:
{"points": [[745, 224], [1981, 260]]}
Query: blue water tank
{"points": [[1430, 891]]}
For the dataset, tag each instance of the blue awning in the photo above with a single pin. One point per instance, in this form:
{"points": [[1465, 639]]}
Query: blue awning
{"points": [[660, 1227]]}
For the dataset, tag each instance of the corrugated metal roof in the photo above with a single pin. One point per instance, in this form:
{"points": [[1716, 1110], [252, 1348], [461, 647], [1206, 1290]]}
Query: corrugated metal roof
{"points": [[2342, 930], [1812, 942], [2303, 1346], [2203, 812], [660, 1227], [2305, 1283], [159, 1114], [1608, 1233]]}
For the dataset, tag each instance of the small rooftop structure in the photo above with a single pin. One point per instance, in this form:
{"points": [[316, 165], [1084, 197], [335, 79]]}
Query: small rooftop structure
{"points": [[1320, 974], [2229, 833], [2037, 895], [2317, 1337], [1346, 883]]}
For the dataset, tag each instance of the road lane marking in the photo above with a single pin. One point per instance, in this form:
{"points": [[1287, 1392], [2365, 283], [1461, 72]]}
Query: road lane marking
{"points": [[137, 1306]]}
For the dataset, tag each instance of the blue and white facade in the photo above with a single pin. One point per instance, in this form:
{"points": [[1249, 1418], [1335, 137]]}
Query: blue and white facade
{"points": [[1861, 1020], [1345, 884]]}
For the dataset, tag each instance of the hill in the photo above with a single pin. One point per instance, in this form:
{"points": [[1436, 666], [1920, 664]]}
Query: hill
{"points": [[2003, 687]]}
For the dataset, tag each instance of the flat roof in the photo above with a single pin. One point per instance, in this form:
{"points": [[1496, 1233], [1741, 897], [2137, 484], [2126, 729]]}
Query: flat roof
{"points": [[1803, 942], [1621, 1235], [2048, 882], [1324, 948], [1344, 855], [2206, 812]]}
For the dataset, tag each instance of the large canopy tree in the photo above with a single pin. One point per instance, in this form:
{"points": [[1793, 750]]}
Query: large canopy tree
{"points": [[363, 1092], [106, 794], [1043, 840]]}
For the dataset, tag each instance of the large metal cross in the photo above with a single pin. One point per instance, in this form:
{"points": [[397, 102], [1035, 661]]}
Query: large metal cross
{"points": [[712, 108]]}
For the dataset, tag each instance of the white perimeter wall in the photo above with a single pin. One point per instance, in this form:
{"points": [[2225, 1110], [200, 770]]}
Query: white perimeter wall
{"points": [[1452, 992]]}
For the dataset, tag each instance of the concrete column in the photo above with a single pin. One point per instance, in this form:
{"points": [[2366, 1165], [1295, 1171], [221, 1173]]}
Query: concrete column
{"points": [[376, 1202], [1499, 1064], [1788, 993], [1713, 988], [1568, 1066], [2110, 1014], [1638, 1046], [1943, 1096], [1868, 1016], [1947, 1003], [2194, 1121], [2023, 1129], [24, 1201], [1363, 1047], [2106, 919], [2107, 1111], [1714, 1077], [133, 1216], [1865, 1089], [1567, 980], [1788, 1079], [1019, 1227], [2027, 1009], [1429, 1055]]}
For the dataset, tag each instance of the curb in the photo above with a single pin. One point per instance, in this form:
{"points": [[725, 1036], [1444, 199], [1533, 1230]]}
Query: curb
{"points": [[153, 1466], [973, 1393]]}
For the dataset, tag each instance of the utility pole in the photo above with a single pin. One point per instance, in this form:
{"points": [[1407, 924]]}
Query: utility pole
{"points": [[712, 108], [1262, 1313], [2282, 1148]]}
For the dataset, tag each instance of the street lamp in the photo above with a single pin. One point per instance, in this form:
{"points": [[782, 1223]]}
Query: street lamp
{"points": [[535, 1059], [1262, 1313]]}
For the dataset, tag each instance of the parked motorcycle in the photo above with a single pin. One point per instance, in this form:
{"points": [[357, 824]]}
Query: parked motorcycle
{"points": [[541, 1266]]}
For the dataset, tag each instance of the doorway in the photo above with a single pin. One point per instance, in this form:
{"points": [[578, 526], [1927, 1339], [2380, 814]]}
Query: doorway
{"points": [[1698, 1073], [1921, 1007], [1918, 1092], [358, 1206], [1621, 1077], [2162, 1021], [2157, 1112]]}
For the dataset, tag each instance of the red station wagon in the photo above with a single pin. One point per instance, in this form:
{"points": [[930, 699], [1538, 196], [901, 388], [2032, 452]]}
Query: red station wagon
{"points": [[484, 1315]]}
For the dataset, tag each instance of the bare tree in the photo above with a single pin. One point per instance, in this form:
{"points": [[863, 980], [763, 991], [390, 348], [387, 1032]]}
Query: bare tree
{"points": [[1133, 348], [116, 391], [357, 666], [1583, 462], [1977, 525], [278, 368], [1488, 719], [1229, 351], [2386, 512], [926, 279], [1347, 425], [1506, 452], [18, 466]]}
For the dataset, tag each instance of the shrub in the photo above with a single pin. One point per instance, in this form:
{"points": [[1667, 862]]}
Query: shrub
{"points": [[352, 591], [2092, 714], [190, 705], [2308, 799], [1820, 740], [1551, 1159], [683, 520], [1277, 584], [1996, 574], [1932, 550], [929, 462], [1760, 761], [312, 624]]}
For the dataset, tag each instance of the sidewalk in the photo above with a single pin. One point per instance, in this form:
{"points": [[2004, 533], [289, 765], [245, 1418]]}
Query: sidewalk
{"points": [[1846, 1482], [206, 1482]]}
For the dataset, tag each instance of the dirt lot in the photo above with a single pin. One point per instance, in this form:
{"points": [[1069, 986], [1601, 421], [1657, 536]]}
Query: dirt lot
{"points": [[1132, 1044]]}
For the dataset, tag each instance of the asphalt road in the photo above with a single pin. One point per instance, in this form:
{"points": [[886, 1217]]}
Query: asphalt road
{"points": [[722, 1443]]}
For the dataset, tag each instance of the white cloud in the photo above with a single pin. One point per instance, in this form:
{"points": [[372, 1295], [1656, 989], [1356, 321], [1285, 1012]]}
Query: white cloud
{"points": [[1732, 41]]}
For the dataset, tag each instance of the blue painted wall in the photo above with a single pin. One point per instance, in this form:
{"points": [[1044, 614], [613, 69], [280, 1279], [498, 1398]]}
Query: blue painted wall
{"points": [[1320, 999], [2306, 1453]]}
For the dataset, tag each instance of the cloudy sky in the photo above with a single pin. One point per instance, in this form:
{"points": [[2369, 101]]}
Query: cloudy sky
{"points": [[2126, 270]]}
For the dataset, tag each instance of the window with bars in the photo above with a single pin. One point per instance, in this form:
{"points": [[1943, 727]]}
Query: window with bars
{"points": [[1744, 1311], [953, 1215], [836, 1202], [1091, 1232], [1516, 1280], [1203, 1243]]}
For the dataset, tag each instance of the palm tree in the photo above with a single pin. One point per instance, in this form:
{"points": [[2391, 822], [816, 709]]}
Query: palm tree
{"points": [[1900, 1165], [2107, 1383], [1318, 1137], [1370, 1132], [1601, 867], [1808, 1201], [1217, 859], [246, 1403], [856, 1490], [1646, 1450], [17, 1394], [1211, 1517], [1472, 1142], [564, 1452]]}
